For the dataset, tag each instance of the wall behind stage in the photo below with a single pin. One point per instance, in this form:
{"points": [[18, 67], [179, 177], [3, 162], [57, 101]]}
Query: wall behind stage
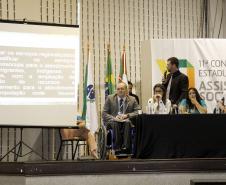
{"points": [[52, 11], [118, 22], [128, 22]]}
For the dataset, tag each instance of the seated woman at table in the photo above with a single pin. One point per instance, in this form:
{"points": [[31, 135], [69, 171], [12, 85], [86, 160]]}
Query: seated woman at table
{"points": [[158, 104], [220, 107], [193, 104]]}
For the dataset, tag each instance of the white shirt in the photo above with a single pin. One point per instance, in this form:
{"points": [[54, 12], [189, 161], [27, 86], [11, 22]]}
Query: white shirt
{"points": [[168, 87], [163, 108]]}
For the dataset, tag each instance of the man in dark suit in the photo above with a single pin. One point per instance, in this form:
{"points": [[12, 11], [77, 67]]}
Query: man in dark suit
{"points": [[118, 109], [130, 88], [176, 83]]}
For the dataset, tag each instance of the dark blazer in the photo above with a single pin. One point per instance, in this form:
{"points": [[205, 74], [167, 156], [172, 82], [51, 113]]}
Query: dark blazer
{"points": [[179, 87], [135, 96], [110, 110]]}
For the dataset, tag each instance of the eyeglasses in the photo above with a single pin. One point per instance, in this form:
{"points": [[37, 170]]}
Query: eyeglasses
{"points": [[158, 91]]}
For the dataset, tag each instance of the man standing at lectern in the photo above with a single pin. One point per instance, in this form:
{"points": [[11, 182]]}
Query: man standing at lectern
{"points": [[118, 109], [176, 83]]}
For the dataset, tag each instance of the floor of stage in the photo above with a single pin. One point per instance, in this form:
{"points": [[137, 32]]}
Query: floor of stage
{"points": [[93, 167]]}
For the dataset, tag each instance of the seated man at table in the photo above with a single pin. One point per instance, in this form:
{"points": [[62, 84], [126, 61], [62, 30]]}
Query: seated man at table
{"points": [[83, 133], [193, 104], [118, 109]]}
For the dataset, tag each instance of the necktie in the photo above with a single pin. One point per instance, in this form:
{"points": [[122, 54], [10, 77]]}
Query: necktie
{"points": [[168, 88], [121, 106]]}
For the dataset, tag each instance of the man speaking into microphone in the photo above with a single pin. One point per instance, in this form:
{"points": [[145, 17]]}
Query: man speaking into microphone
{"points": [[176, 83]]}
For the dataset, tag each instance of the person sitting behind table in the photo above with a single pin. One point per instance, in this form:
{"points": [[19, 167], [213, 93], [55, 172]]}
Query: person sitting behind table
{"points": [[83, 133], [193, 104], [159, 104], [220, 107], [130, 89]]}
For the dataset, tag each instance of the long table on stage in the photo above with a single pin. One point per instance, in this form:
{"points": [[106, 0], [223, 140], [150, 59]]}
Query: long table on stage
{"points": [[181, 136]]}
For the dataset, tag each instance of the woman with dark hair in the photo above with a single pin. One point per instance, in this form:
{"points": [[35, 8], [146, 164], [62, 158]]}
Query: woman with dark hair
{"points": [[193, 104], [159, 104]]}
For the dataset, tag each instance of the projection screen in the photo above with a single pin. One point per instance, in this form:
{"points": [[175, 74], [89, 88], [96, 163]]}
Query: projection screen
{"points": [[39, 75]]}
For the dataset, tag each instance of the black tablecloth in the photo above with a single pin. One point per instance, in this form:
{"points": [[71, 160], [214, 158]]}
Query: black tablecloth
{"points": [[181, 136]]}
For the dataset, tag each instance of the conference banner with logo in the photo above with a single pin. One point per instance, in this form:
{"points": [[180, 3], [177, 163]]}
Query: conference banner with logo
{"points": [[202, 60]]}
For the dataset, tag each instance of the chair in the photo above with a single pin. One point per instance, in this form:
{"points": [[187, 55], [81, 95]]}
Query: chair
{"points": [[111, 144], [106, 141], [67, 139]]}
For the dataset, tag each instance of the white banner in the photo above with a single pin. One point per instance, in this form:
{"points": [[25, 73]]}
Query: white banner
{"points": [[202, 60]]}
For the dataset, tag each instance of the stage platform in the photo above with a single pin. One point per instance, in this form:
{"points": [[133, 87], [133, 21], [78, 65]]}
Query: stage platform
{"points": [[133, 172], [92, 167]]}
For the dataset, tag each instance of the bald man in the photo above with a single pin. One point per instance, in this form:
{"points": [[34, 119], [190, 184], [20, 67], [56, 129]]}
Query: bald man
{"points": [[118, 109]]}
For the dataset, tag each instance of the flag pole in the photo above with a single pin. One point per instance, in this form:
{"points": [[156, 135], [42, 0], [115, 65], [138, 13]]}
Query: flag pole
{"points": [[109, 47], [124, 60], [88, 49]]}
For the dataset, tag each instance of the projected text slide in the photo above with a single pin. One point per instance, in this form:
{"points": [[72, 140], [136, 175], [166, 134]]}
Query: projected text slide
{"points": [[36, 75]]}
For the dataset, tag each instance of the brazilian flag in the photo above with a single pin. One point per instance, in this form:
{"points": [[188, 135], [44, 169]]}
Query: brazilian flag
{"points": [[109, 78]]}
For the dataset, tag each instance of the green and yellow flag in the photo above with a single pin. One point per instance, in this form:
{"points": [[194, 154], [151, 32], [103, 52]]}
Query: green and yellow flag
{"points": [[109, 78]]}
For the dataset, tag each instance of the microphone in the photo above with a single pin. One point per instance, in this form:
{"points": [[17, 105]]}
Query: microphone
{"points": [[175, 109], [165, 74], [164, 77]]}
